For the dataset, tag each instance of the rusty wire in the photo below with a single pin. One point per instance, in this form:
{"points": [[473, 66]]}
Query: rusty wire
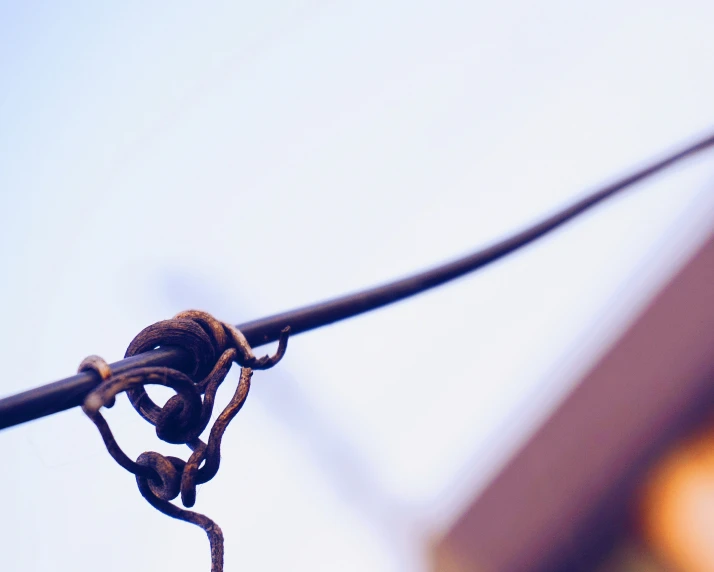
{"points": [[213, 346]]}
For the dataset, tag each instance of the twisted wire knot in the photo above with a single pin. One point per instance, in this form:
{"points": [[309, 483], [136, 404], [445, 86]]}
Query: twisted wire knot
{"points": [[212, 347]]}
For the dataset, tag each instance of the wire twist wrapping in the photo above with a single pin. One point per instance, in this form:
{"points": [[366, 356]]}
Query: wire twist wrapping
{"points": [[213, 347]]}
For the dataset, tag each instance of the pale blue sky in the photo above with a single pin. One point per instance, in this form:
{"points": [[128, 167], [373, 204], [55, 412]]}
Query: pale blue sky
{"points": [[246, 158]]}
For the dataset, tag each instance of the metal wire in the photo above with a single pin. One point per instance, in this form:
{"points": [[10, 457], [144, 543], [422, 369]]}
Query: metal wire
{"points": [[70, 392], [214, 347]]}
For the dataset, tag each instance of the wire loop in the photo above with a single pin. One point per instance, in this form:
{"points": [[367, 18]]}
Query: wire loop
{"points": [[213, 347]]}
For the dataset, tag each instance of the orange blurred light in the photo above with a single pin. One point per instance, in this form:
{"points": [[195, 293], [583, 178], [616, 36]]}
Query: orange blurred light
{"points": [[677, 506]]}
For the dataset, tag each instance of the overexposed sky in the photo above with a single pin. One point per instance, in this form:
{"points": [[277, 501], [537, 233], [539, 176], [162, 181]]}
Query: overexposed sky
{"points": [[246, 158]]}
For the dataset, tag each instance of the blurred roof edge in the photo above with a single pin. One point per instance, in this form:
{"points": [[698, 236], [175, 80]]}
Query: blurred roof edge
{"points": [[561, 500]]}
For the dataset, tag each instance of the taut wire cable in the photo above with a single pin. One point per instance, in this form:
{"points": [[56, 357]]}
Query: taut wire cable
{"points": [[71, 392]]}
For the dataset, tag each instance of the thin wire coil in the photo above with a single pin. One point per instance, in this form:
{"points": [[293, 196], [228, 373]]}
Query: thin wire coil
{"points": [[213, 346]]}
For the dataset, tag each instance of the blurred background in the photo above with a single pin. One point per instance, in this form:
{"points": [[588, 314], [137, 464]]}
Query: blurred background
{"points": [[247, 158]]}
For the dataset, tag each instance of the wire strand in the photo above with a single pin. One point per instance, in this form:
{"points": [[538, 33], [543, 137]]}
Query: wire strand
{"points": [[70, 392]]}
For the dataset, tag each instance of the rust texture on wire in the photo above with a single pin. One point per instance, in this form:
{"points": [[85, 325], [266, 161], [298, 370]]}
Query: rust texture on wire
{"points": [[213, 347]]}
